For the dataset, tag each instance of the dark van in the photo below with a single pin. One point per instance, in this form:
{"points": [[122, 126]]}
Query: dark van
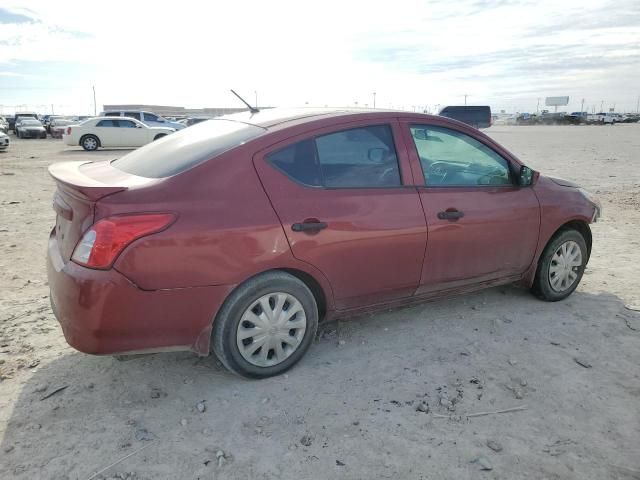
{"points": [[476, 116]]}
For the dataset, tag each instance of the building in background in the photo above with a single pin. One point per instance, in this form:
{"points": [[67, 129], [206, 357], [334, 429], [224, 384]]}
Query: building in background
{"points": [[180, 112]]}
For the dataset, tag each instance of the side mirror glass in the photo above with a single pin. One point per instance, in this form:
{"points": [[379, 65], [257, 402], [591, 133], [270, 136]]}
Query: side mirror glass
{"points": [[526, 176]]}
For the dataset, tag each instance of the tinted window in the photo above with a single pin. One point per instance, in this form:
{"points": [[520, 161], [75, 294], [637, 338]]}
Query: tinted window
{"points": [[186, 148], [106, 123], [135, 115], [150, 117], [126, 124], [112, 114], [359, 157], [299, 162], [451, 158]]}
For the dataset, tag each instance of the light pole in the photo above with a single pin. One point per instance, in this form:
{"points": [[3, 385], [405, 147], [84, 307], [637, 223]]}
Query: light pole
{"points": [[538, 106], [95, 112], [465, 98], [582, 107], [374, 99], [256, 102], [601, 105]]}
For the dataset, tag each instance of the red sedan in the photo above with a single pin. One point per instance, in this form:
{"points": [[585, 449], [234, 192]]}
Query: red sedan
{"points": [[239, 234]]}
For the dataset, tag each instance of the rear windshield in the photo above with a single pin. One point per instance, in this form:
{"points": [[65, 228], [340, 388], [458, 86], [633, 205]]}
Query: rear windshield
{"points": [[186, 148]]}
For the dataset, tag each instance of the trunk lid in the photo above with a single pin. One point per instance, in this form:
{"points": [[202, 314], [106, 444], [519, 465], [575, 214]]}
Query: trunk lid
{"points": [[80, 186]]}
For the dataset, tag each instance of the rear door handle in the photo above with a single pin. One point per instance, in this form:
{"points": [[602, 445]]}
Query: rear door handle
{"points": [[308, 226], [450, 215]]}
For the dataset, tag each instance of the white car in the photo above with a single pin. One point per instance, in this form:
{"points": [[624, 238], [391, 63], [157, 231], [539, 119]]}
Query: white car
{"points": [[603, 118], [112, 132], [4, 140]]}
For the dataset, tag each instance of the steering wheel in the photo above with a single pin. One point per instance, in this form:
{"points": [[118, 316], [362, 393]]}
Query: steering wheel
{"points": [[438, 171]]}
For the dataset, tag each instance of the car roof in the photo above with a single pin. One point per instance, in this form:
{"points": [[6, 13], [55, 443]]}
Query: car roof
{"points": [[281, 117]]}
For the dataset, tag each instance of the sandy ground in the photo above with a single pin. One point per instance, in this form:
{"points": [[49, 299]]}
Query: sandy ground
{"points": [[350, 409]]}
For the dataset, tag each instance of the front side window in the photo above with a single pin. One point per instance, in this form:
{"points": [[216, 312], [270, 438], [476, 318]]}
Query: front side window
{"points": [[126, 124], [356, 158], [450, 158]]}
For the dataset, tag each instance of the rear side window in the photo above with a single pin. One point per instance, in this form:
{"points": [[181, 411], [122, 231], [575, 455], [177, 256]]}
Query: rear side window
{"points": [[106, 123], [150, 117], [299, 161], [187, 148], [126, 124], [135, 115], [112, 114], [355, 158]]}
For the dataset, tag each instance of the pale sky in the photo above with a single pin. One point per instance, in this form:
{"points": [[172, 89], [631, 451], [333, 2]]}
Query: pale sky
{"points": [[504, 53]]}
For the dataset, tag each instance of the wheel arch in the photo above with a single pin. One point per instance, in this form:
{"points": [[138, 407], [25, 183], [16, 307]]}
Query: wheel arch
{"points": [[202, 344], [579, 224], [89, 135]]}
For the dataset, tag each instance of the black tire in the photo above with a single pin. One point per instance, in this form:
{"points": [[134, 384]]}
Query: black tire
{"points": [[85, 142], [226, 323], [542, 285], [160, 135]]}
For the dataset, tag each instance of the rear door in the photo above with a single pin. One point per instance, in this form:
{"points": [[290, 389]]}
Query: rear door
{"points": [[482, 226], [346, 203]]}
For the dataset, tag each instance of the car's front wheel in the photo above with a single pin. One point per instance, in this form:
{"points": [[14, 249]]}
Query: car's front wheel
{"points": [[265, 326], [561, 266], [90, 143]]}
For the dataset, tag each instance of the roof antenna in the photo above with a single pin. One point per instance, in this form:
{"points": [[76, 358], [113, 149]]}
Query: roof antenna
{"points": [[251, 109]]}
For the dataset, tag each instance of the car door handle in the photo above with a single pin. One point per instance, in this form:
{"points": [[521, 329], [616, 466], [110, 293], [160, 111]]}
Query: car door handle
{"points": [[308, 226], [450, 215]]}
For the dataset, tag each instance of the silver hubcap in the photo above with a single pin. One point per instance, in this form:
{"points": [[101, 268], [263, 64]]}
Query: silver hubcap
{"points": [[90, 143], [565, 266], [271, 329]]}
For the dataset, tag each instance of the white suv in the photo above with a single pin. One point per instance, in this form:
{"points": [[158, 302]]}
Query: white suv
{"points": [[148, 118]]}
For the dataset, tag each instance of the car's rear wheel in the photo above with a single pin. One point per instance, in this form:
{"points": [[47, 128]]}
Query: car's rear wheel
{"points": [[265, 326], [561, 266], [89, 142]]}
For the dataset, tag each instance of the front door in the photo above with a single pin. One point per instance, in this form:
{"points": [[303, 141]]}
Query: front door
{"points": [[344, 198], [482, 225], [132, 134]]}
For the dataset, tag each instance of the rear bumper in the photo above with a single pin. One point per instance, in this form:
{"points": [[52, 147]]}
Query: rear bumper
{"points": [[102, 312]]}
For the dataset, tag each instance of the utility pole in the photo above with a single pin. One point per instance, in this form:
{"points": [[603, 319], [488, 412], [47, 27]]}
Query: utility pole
{"points": [[582, 107], [601, 106], [538, 106], [465, 98], [95, 106], [52, 112], [638, 105], [374, 99], [256, 102]]}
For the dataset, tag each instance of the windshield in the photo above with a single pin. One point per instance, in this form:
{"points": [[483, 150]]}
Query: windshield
{"points": [[31, 122], [184, 149]]}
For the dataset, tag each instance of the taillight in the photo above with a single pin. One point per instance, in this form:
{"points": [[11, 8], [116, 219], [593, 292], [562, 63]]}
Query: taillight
{"points": [[68, 130], [104, 241]]}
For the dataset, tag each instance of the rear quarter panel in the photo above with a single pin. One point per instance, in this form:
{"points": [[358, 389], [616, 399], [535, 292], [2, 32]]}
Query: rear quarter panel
{"points": [[226, 229]]}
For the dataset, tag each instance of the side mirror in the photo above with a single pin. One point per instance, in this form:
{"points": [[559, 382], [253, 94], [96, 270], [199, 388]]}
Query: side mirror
{"points": [[527, 176], [377, 155]]}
